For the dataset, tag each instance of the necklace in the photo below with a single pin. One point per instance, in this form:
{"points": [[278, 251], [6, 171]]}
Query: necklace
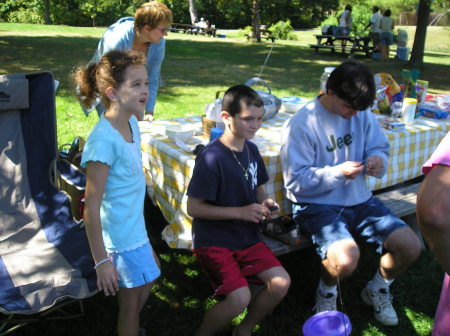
{"points": [[240, 164]]}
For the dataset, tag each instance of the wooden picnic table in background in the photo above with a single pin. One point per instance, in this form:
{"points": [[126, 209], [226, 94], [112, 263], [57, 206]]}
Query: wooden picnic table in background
{"points": [[192, 29], [264, 33], [356, 44]]}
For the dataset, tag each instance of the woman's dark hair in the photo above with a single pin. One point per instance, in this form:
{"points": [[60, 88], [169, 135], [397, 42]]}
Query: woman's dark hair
{"points": [[387, 12], [353, 82], [94, 79], [237, 95]]}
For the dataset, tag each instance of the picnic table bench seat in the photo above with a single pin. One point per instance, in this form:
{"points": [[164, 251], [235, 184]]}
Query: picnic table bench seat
{"points": [[264, 33], [191, 29], [401, 201], [333, 43]]}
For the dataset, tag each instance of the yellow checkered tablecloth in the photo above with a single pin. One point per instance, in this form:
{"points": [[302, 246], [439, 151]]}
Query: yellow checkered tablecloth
{"points": [[168, 167]]}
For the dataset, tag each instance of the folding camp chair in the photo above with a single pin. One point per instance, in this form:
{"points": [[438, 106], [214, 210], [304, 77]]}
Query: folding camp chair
{"points": [[45, 259]]}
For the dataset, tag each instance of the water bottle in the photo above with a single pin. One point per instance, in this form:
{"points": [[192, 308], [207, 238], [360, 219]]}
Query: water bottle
{"points": [[324, 78]]}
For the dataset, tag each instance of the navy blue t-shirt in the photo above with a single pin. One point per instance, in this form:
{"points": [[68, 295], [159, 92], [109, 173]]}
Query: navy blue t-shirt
{"points": [[219, 180]]}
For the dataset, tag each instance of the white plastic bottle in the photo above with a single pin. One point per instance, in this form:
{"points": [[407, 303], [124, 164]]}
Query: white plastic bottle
{"points": [[324, 78]]}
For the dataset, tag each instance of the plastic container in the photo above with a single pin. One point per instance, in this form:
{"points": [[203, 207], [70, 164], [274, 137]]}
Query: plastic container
{"points": [[181, 132], [409, 110], [402, 53], [376, 55], [292, 104], [324, 78], [327, 323], [215, 133], [421, 91]]}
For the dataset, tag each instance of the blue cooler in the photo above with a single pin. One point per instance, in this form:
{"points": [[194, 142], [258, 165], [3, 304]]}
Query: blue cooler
{"points": [[402, 53], [376, 55]]}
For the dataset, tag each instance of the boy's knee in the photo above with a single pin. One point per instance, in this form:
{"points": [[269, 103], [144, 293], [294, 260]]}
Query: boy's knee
{"points": [[279, 285], [405, 243], [342, 258], [238, 300]]}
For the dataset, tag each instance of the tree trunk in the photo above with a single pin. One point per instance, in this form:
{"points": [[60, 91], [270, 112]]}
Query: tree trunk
{"points": [[255, 24], [192, 11], [47, 18], [423, 13]]}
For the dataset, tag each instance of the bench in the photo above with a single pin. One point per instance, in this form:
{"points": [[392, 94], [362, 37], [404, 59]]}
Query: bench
{"points": [[181, 28], [192, 29], [267, 37], [334, 43], [317, 47], [401, 200], [264, 33]]}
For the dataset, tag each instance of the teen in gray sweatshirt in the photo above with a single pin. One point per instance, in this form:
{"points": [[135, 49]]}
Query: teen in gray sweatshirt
{"points": [[328, 147]]}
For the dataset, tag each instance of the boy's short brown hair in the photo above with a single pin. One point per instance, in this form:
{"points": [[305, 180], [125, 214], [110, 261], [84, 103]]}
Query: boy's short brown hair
{"points": [[152, 13], [239, 95]]}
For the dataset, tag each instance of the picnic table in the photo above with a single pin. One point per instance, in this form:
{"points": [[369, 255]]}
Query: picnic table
{"points": [[192, 29], [168, 168], [334, 42], [264, 33]]}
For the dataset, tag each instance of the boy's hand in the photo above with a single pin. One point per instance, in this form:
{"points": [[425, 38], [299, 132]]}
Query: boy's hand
{"points": [[252, 213], [351, 169], [271, 208], [374, 166]]}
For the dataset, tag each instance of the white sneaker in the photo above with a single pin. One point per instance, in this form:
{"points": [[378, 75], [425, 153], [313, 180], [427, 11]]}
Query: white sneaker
{"points": [[325, 303], [381, 302]]}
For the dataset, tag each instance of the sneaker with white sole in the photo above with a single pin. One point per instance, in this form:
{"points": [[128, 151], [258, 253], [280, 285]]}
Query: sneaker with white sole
{"points": [[324, 303], [381, 301]]}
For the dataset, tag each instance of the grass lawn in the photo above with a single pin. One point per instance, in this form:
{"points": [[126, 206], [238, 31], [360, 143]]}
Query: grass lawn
{"points": [[194, 69]]}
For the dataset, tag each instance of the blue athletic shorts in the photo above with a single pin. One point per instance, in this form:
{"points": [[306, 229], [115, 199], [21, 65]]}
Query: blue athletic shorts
{"points": [[326, 224], [136, 267]]}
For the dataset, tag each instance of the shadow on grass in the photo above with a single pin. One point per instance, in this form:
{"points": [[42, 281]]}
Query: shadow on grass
{"points": [[200, 63], [180, 298], [184, 290]]}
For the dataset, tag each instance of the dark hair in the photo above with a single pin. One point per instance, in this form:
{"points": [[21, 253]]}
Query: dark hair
{"points": [[376, 8], [353, 82], [348, 7], [387, 12], [237, 95], [94, 79]]}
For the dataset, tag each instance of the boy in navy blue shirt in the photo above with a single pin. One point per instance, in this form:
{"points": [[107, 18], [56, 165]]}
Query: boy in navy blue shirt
{"points": [[228, 201]]}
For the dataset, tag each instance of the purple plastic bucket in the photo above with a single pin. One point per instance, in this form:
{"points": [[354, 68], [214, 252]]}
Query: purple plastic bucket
{"points": [[327, 323]]}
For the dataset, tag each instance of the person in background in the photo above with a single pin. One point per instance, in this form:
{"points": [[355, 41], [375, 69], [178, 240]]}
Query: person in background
{"points": [[327, 149], [433, 215], [374, 25], [386, 36], [210, 30], [345, 23], [201, 23], [145, 33], [115, 187], [345, 20], [227, 200]]}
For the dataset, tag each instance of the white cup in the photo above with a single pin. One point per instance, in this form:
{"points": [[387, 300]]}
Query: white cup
{"points": [[409, 110]]}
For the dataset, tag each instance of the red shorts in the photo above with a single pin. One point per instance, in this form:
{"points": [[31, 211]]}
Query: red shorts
{"points": [[233, 269]]}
